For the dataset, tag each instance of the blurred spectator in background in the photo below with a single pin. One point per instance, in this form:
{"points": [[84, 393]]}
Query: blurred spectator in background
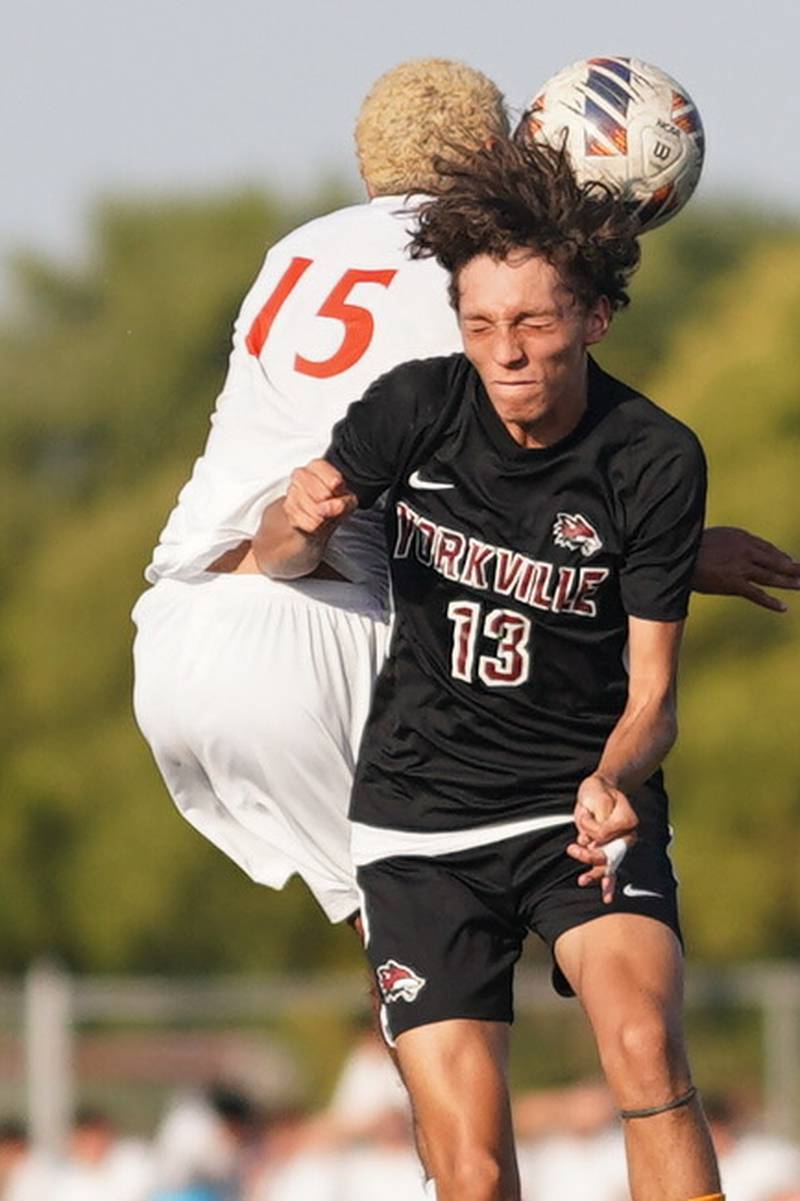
{"points": [[754, 1166], [583, 1108], [192, 1192], [217, 1147], [369, 1096], [357, 1149], [100, 1165], [203, 1145], [24, 1176], [569, 1145], [284, 1136], [309, 1160]]}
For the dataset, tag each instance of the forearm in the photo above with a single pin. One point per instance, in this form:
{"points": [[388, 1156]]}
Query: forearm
{"points": [[294, 530], [638, 743], [634, 749], [285, 552]]}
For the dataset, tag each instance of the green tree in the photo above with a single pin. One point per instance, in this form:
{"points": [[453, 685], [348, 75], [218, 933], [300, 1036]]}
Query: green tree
{"points": [[109, 377], [736, 776]]}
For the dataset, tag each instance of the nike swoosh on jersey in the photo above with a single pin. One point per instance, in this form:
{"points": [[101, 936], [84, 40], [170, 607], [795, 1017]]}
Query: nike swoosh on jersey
{"points": [[630, 891], [416, 481]]}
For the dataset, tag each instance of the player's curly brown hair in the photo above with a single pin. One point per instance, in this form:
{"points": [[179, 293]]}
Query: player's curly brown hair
{"points": [[514, 195], [415, 112]]}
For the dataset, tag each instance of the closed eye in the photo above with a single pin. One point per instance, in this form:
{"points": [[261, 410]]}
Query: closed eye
{"points": [[537, 323]]}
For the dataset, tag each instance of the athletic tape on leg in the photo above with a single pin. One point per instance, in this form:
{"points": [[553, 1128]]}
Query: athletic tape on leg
{"points": [[615, 852], [678, 1103]]}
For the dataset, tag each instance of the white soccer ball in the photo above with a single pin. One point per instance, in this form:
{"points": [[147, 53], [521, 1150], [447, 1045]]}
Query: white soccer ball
{"points": [[627, 123]]}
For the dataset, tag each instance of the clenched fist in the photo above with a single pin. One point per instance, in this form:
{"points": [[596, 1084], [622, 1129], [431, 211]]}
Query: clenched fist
{"points": [[317, 494]]}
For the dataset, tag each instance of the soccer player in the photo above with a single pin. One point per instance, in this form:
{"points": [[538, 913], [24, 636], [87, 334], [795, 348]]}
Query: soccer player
{"points": [[251, 692], [543, 521]]}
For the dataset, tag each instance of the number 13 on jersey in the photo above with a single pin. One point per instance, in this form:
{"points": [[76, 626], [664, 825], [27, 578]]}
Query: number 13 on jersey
{"points": [[511, 631], [358, 322]]}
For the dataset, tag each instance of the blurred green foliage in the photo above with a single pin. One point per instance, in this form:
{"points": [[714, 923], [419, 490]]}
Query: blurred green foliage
{"points": [[108, 374]]}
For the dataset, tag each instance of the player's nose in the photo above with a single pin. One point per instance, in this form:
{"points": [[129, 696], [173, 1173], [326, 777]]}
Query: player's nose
{"points": [[507, 347]]}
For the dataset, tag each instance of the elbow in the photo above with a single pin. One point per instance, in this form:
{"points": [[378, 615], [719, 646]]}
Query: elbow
{"points": [[267, 560], [272, 563], [286, 558], [273, 547], [266, 555], [285, 551]]}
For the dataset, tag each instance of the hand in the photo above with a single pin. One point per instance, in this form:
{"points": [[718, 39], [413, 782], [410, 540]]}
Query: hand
{"points": [[317, 494], [602, 815], [733, 562]]}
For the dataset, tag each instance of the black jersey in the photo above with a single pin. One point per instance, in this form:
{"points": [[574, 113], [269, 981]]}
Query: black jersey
{"points": [[514, 573]]}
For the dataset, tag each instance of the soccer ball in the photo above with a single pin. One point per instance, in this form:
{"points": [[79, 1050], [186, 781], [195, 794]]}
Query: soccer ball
{"points": [[626, 123]]}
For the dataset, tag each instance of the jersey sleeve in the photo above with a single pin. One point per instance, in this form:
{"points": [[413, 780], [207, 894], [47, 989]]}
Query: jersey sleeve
{"points": [[665, 517], [370, 445]]}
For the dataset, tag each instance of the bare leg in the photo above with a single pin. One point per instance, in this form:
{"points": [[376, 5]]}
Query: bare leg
{"points": [[455, 1072], [627, 971], [357, 925]]}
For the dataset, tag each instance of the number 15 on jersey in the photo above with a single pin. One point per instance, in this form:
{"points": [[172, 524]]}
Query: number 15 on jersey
{"points": [[358, 322]]}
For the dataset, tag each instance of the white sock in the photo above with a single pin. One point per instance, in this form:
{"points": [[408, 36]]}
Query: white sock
{"points": [[430, 1189]]}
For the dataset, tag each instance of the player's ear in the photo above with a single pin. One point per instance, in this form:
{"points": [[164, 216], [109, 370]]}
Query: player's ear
{"points": [[597, 321]]}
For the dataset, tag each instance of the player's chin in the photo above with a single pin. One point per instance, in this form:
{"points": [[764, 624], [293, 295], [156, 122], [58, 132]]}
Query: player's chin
{"points": [[518, 404]]}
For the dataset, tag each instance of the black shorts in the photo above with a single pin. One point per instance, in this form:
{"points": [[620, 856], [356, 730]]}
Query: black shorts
{"points": [[444, 933]]}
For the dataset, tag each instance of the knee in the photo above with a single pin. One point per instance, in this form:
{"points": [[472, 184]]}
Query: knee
{"points": [[646, 1048], [474, 1174]]}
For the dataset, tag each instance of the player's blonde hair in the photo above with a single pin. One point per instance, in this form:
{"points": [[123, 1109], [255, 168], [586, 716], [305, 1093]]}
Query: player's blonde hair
{"points": [[418, 111]]}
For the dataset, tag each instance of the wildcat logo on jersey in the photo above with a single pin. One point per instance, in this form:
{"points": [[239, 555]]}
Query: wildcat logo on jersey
{"points": [[398, 982], [575, 532]]}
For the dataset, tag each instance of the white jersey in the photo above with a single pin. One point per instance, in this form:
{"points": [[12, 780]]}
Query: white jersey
{"points": [[337, 303], [253, 692]]}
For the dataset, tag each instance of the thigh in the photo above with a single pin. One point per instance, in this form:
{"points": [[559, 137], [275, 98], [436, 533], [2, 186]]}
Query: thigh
{"points": [[441, 938], [620, 961], [627, 971], [646, 887], [455, 1072]]}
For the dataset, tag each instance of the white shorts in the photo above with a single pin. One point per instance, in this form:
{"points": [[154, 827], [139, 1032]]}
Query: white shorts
{"points": [[253, 695]]}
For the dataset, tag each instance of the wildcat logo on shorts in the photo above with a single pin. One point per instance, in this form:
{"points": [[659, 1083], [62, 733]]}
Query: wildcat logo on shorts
{"points": [[574, 531], [398, 982]]}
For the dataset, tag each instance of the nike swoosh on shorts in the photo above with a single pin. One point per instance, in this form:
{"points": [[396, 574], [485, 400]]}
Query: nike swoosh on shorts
{"points": [[630, 891]]}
